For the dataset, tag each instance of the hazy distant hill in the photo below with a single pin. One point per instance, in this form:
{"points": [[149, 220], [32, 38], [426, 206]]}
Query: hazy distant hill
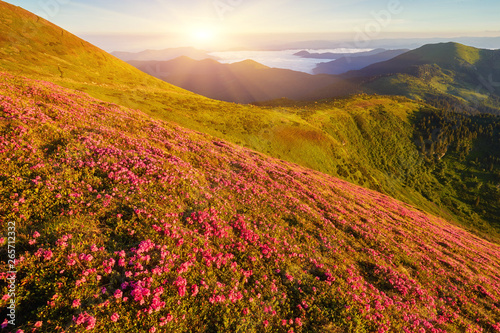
{"points": [[353, 62], [166, 54], [398, 43], [333, 55], [243, 82]]}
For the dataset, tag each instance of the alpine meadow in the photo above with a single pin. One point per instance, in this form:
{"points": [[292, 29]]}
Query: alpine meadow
{"points": [[174, 191]]}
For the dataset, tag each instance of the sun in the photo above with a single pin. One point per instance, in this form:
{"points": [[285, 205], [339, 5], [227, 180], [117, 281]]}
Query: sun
{"points": [[203, 35]]}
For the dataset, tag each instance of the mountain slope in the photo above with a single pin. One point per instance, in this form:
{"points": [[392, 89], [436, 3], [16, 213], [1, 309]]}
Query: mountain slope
{"points": [[127, 223], [243, 82], [445, 55], [39, 49], [25, 37], [348, 63], [463, 74]]}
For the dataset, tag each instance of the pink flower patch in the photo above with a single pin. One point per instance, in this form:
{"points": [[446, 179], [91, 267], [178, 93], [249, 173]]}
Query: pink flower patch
{"points": [[115, 317], [194, 290], [85, 319], [118, 293]]}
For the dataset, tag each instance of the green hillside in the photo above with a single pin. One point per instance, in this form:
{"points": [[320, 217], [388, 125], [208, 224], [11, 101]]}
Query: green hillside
{"points": [[465, 75], [419, 154], [445, 55], [32, 46], [125, 223]]}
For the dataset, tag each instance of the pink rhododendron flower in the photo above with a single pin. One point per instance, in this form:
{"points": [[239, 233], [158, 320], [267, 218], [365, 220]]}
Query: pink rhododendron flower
{"points": [[194, 290], [115, 317], [118, 293]]}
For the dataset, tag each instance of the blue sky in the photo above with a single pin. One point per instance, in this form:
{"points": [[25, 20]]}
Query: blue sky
{"points": [[187, 19]]}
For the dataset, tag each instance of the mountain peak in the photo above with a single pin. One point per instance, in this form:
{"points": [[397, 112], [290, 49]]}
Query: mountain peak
{"points": [[445, 53], [450, 56], [250, 63]]}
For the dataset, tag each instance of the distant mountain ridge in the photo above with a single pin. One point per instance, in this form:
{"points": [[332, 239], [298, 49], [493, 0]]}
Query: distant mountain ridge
{"points": [[351, 62], [243, 82], [163, 55], [386, 43], [334, 55], [462, 74]]}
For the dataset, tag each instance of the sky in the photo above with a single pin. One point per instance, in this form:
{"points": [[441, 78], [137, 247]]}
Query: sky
{"points": [[225, 23]]}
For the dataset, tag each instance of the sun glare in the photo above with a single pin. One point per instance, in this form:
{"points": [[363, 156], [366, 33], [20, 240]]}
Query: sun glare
{"points": [[203, 35]]}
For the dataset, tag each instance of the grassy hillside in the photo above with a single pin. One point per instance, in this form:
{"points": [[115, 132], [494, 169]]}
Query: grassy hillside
{"points": [[32, 46], [445, 55], [249, 126], [125, 223], [377, 142]]}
